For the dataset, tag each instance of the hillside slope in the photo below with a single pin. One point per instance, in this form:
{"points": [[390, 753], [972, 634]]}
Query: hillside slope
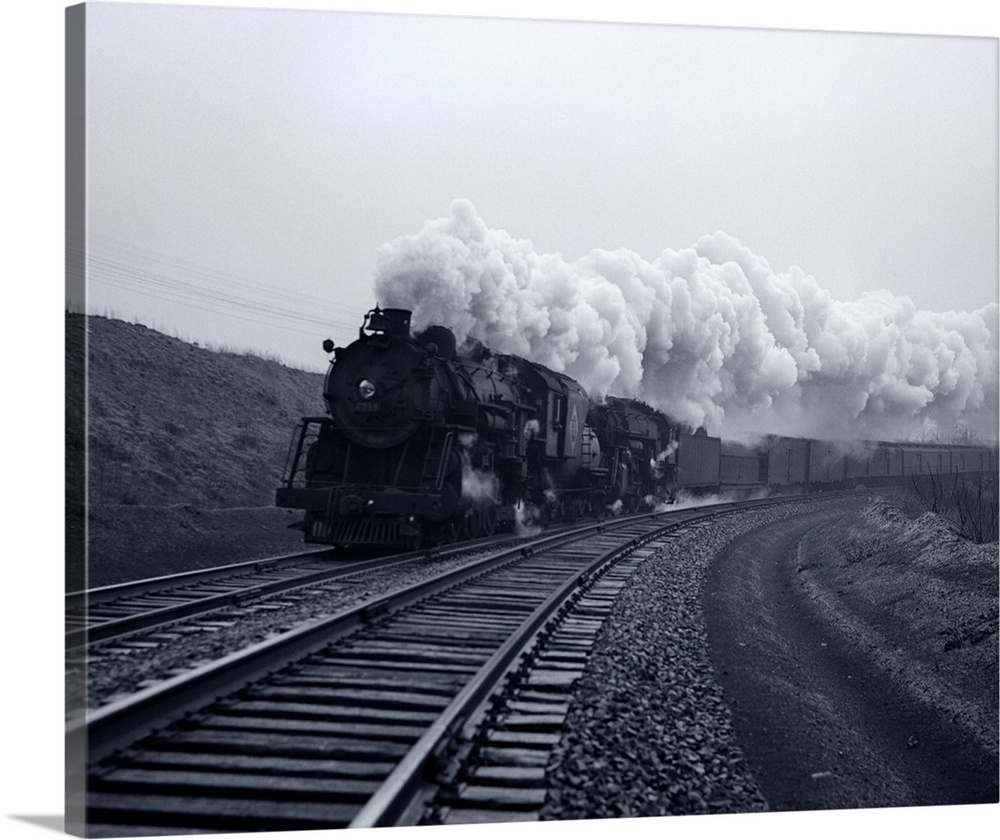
{"points": [[186, 448]]}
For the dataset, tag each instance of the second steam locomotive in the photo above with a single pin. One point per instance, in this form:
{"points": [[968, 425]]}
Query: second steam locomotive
{"points": [[422, 442]]}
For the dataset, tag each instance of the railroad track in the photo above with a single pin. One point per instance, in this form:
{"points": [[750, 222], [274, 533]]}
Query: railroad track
{"points": [[104, 613], [449, 692], [110, 612]]}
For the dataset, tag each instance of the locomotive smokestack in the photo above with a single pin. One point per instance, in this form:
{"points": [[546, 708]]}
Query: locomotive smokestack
{"points": [[397, 322]]}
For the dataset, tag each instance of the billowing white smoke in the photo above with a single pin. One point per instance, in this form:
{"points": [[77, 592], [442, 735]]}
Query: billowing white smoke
{"points": [[710, 334]]}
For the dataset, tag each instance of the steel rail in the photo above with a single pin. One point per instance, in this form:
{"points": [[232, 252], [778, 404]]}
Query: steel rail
{"points": [[399, 794], [116, 725], [83, 598], [112, 628], [124, 738], [398, 801]]}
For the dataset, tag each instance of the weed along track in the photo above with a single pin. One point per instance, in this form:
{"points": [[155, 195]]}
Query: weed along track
{"points": [[353, 720]]}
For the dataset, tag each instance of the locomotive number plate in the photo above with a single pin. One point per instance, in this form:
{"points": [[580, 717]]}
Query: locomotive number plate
{"points": [[367, 407]]}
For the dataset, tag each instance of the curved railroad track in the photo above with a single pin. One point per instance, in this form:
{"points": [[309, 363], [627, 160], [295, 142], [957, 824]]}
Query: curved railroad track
{"points": [[449, 692]]}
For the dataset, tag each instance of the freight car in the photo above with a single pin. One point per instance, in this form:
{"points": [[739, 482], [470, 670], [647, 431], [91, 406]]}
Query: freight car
{"points": [[423, 440], [785, 462], [698, 458], [740, 467], [796, 463]]}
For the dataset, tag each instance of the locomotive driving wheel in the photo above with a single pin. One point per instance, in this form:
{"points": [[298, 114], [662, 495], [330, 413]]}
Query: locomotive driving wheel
{"points": [[489, 518], [447, 532], [474, 523], [481, 520]]}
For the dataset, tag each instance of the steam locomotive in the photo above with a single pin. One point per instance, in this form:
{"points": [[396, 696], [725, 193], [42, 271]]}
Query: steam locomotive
{"points": [[423, 442]]}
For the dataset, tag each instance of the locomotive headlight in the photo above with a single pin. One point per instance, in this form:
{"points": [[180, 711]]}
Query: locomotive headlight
{"points": [[366, 388]]}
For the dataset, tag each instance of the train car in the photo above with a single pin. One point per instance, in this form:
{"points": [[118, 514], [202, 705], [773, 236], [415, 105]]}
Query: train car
{"points": [[875, 463], [858, 465], [739, 467], [989, 460], [893, 463], [787, 461], [922, 459], [939, 458], [698, 461], [826, 462], [895, 460], [969, 459]]}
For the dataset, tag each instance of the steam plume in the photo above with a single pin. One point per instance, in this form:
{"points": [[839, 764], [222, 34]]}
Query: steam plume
{"points": [[711, 334]]}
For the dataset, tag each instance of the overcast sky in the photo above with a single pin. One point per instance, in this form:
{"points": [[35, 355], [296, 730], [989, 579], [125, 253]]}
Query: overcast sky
{"points": [[244, 165]]}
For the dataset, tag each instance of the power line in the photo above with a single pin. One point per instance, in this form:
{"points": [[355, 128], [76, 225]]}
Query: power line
{"points": [[207, 290]]}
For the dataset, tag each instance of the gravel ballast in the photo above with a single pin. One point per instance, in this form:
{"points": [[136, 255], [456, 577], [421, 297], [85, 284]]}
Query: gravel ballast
{"points": [[649, 731]]}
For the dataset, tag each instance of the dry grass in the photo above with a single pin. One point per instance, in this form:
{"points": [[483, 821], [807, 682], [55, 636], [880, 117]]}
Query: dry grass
{"points": [[174, 430], [174, 423], [968, 504]]}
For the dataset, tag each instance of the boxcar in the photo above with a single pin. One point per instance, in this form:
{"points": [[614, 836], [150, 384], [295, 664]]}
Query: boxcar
{"points": [[698, 461], [787, 460], [739, 466], [826, 462], [924, 459], [861, 465], [969, 459]]}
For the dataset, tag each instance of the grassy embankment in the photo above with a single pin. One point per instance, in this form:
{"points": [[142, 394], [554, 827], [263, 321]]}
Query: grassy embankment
{"points": [[186, 447]]}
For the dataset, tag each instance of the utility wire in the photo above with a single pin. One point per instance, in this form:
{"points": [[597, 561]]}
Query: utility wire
{"points": [[211, 291]]}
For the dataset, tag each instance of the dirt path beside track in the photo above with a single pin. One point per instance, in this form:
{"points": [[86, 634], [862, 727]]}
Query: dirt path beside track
{"points": [[858, 653]]}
